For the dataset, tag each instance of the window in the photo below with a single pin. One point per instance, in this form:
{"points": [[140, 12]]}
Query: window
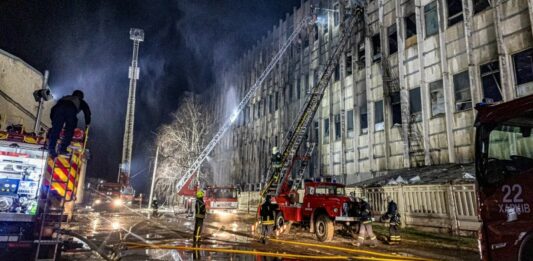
{"points": [[523, 65], [349, 120], [396, 106], [461, 84], [430, 19], [393, 39], [348, 63], [490, 80], [337, 126], [480, 5], [306, 83], [336, 15], [316, 129], [277, 101], [455, 11], [361, 53], [376, 47], [337, 75], [270, 104], [363, 118], [437, 98], [298, 89], [415, 104], [326, 130], [378, 115], [410, 25], [315, 32]]}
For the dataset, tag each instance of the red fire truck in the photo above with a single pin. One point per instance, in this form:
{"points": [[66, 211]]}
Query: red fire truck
{"points": [[221, 199], [504, 172]]}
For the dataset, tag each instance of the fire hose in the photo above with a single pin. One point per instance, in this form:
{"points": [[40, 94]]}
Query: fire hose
{"points": [[89, 243]]}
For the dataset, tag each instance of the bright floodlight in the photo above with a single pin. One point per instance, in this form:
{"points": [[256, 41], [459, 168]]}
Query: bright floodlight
{"points": [[137, 34], [234, 116]]}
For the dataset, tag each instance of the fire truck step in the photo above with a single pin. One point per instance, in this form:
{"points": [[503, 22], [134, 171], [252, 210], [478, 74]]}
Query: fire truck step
{"points": [[47, 242]]}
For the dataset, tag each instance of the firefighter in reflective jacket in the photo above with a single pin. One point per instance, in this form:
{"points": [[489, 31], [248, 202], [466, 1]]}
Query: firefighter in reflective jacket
{"points": [[394, 221], [365, 227], [276, 162], [267, 218], [199, 215]]}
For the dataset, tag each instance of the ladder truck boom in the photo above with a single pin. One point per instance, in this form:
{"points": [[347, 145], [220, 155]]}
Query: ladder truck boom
{"points": [[298, 130], [227, 124]]}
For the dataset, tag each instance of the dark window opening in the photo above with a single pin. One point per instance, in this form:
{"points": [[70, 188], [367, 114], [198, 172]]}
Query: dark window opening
{"points": [[298, 89], [524, 66], [463, 98], [306, 83], [393, 39], [348, 63], [376, 48], [410, 25], [437, 98], [270, 104], [315, 32], [337, 126], [480, 5], [277, 101], [349, 123], [396, 106], [415, 104], [336, 15], [363, 118], [431, 19], [337, 74], [326, 130], [455, 11], [378, 115], [316, 129], [361, 53], [490, 80]]}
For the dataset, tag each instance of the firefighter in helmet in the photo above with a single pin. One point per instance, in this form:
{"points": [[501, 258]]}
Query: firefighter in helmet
{"points": [[276, 162], [199, 215], [267, 218], [393, 217], [365, 227], [155, 206]]}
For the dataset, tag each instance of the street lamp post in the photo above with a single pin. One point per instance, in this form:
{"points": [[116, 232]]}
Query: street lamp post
{"points": [[153, 176]]}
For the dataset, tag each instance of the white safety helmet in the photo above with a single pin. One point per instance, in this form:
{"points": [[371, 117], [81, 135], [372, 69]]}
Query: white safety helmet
{"points": [[275, 150]]}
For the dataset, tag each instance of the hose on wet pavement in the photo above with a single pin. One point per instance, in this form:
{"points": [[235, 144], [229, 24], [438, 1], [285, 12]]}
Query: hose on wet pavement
{"points": [[260, 253], [89, 243]]}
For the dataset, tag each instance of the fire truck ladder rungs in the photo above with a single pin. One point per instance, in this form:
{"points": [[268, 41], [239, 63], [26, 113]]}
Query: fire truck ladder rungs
{"points": [[303, 166], [306, 115], [257, 85]]}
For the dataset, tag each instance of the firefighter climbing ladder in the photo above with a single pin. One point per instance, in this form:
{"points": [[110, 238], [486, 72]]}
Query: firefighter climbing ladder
{"points": [[298, 131], [53, 216], [257, 85]]}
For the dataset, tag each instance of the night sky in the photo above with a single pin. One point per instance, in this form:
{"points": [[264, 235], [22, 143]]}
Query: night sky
{"points": [[85, 45]]}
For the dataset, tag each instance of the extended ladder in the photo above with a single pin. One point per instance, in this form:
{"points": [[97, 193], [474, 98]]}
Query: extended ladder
{"points": [[299, 129], [257, 85]]}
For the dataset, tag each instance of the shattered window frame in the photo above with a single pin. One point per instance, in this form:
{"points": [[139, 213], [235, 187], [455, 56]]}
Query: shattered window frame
{"points": [[480, 5], [396, 109], [363, 118], [431, 21], [523, 68], [491, 81], [392, 38], [348, 63], [379, 118], [338, 131], [455, 11], [376, 47], [410, 25], [462, 95], [437, 98], [415, 104]]}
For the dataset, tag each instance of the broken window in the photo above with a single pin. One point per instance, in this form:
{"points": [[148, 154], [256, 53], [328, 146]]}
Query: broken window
{"points": [[348, 63], [415, 104], [378, 115], [337, 74], [490, 80], [455, 11], [361, 53], [396, 106], [349, 121], [431, 19], [480, 5], [410, 25], [437, 98], [363, 115], [326, 130], [337, 126], [463, 98], [393, 39], [523, 65], [376, 47]]}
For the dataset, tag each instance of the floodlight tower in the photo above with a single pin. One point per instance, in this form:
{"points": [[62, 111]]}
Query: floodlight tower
{"points": [[137, 36]]}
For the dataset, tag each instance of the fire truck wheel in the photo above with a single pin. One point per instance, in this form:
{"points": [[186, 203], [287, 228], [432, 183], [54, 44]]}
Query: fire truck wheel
{"points": [[324, 228], [526, 249], [280, 220]]}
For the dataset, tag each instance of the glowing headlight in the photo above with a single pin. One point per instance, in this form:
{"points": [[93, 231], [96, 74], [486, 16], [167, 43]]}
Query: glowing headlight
{"points": [[98, 202], [117, 202], [115, 225]]}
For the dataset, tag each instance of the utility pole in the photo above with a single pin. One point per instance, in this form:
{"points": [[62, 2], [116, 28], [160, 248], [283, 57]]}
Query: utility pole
{"points": [[137, 36], [153, 175]]}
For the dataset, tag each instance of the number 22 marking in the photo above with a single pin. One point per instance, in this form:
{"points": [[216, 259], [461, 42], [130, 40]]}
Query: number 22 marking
{"points": [[508, 190]]}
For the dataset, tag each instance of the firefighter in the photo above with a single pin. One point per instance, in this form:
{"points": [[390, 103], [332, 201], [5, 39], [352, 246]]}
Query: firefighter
{"points": [[64, 115], [365, 227], [267, 218], [155, 206], [394, 221], [276, 162], [199, 215]]}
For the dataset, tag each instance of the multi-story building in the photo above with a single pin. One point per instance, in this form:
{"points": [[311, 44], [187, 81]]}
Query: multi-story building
{"points": [[18, 81], [402, 95]]}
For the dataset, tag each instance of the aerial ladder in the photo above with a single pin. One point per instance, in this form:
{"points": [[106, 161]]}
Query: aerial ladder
{"points": [[278, 177], [249, 95]]}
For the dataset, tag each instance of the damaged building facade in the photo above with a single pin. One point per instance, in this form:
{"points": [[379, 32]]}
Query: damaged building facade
{"points": [[402, 96]]}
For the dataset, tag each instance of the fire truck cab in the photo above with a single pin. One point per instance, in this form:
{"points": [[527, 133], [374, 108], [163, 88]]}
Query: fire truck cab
{"points": [[504, 174], [221, 199]]}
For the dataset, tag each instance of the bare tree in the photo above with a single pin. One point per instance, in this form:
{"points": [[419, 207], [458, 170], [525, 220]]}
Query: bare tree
{"points": [[180, 143]]}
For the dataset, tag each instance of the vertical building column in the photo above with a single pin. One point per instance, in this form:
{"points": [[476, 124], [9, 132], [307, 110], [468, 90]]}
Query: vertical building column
{"points": [[356, 112], [386, 98], [400, 28], [424, 92], [503, 55], [448, 97], [369, 99], [342, 102], [472, 64]]}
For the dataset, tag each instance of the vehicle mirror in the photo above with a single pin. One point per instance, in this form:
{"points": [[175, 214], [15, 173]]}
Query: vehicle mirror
{"points": [[526, 132]]}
